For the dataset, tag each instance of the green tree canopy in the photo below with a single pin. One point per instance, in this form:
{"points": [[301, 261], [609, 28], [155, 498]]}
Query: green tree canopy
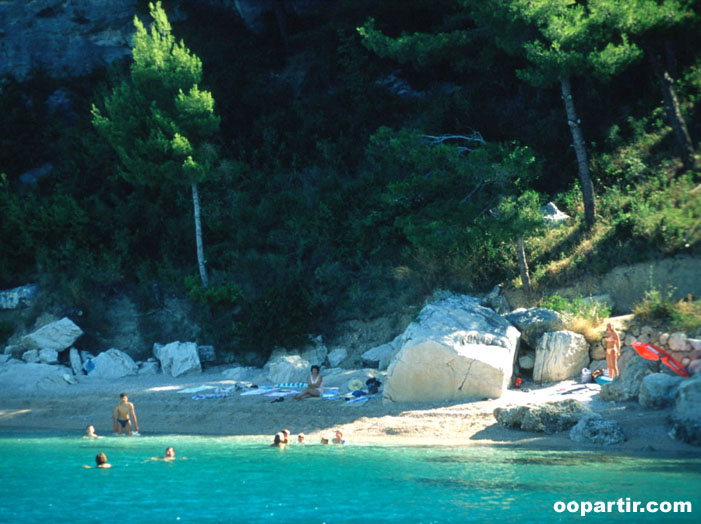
{"points": [[159, 121]]}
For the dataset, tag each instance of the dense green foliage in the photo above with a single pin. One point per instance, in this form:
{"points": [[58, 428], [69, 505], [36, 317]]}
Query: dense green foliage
{"points": [[324, 197]]}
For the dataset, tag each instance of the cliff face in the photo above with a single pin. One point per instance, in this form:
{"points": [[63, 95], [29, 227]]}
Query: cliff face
{"points": [[66, 38], [63, 37]]}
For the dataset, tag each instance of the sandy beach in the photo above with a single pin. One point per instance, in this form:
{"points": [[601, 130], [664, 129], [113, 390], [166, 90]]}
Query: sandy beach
{"points": [[161, 409]]}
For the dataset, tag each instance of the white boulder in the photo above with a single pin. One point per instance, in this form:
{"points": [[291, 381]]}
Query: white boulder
{"points": [[178, 358], [532, 323], [58, 335], [150, 367], [48, 356], [31, 356], [112, 363], [76, 362], [380, 356], [18, 376], [336, 356], [456, 349], [560, 355], [552, 215], [285, 369], [678, 342]]}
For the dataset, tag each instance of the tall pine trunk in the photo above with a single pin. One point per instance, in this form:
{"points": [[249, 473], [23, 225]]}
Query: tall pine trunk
{"points": [[674, 113], [201, 262], [581, 152], [523, 265]]}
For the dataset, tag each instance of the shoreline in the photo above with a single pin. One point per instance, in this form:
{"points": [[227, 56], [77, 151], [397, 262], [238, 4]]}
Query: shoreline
{"points": [[161, 411]]}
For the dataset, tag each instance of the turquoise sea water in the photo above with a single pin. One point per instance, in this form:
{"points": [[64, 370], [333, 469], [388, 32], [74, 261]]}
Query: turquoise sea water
{"points": [[235, 480]]}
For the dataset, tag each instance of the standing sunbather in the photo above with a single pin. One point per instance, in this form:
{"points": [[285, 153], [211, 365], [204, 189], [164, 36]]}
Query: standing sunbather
{"points": [[121, 414]]}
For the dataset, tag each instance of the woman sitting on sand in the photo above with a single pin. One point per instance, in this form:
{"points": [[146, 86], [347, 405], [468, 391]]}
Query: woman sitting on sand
{"points": [[314, 388]]}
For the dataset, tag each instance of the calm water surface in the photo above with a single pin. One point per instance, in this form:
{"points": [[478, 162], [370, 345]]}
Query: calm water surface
{"points": [[234, 480]]}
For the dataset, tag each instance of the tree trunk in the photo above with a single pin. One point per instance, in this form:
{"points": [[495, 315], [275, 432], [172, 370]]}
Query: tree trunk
{"points": [[581, 152], [523, 265], [674, 113], [201, 262]]}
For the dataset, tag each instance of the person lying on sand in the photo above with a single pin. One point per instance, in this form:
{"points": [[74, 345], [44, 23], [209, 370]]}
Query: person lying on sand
{"points": [[101, 461], [90, 432], [314, 388], [120, 416]]}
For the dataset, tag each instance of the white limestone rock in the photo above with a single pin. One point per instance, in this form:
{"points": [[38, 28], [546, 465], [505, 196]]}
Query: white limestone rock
{"points": [[560, 355], [58, 335], [336, 356], [287, 368], [76, 362], [178, 358], [380, 356], [48, 356], [532, 323], [456, 349], [31, 356], [19, 376], [112, 363]]}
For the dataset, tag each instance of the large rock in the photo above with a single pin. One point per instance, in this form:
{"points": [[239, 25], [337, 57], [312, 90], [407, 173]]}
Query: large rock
{"points": [[31, 356], [380, 356], [552, 215], [626, 386], [532, 323], [18, 376], [284, 369], [63, 38], [58, 335], [112, 363], [456, 349], [686, 416], [178, 358], [76, 362], [315, 353], [150, 367], [18, 297], [336, 356], [48, 356], [560, 355], [659, 390], [596, 430], [545, 418]]}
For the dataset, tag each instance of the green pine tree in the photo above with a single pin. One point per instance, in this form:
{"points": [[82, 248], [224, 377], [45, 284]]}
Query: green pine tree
{"points": [[561, 40], [159, 121]]}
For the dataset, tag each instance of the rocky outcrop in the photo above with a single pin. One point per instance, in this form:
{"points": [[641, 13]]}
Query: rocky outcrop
{"points": [[686, 417], [546, 418], [111, 364], [532, 323], [456, 349], [63, 38], [596, 430], [57, 335], [627, 385], [17, 297], [560, 355], [178, 358], [658, 390], [284, 369], [18, 376]]}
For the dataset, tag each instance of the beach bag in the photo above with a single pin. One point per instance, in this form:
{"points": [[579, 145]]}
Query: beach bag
{"points": [[373, 385], [585, 377]]}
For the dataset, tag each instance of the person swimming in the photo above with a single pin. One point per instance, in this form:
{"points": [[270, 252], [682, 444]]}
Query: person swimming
{"points": [[278, 440], [338, 439], [169, 455], [101, 462], [90, 432]]}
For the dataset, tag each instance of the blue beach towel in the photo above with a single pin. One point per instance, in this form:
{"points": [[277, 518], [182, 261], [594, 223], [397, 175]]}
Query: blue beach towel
{"points": [[292, 385]]}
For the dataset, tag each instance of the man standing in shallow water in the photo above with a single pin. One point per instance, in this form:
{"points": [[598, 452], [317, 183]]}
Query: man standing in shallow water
{"points": [[121, 416]]}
